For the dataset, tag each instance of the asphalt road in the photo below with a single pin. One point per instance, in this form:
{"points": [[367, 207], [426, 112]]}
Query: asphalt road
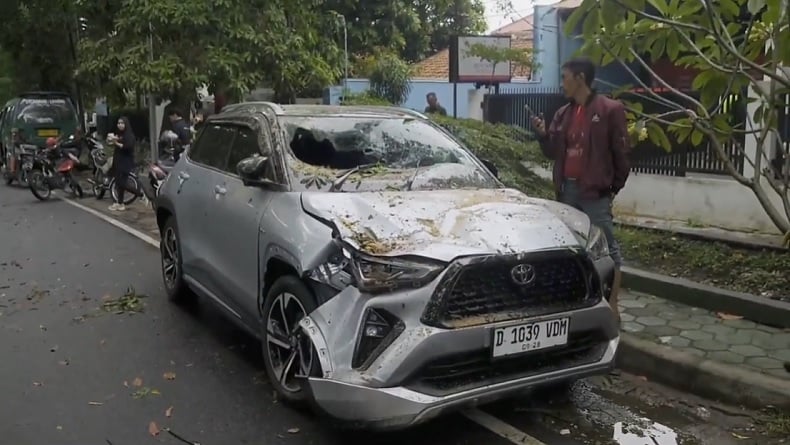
{"points": [[73, 373]]}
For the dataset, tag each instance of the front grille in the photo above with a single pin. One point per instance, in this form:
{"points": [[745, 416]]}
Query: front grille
{"points": [[468, 371], [484, 291]]}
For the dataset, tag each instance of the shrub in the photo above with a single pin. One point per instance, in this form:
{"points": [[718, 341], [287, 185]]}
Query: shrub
{"points": [[390, 79]]}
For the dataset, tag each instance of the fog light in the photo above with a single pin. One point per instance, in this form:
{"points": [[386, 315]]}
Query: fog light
{"points": [[379, 330]]}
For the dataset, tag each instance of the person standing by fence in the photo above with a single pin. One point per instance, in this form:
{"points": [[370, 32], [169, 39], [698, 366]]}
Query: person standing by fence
{"points": [[588, 142]]}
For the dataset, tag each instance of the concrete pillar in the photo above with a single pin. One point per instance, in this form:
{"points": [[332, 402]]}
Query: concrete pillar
{"points": [[475, 103]]}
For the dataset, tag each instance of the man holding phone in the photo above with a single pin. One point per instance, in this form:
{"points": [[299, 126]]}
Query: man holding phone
{"points": [[588, 142]]}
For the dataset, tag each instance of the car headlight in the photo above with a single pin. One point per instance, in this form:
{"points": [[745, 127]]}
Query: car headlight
{"points": [[378, 274], [597, 244]]}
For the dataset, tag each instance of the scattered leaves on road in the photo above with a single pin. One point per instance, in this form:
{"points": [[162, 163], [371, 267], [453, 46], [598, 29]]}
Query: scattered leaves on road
{"points": [[169, 412], [145, 392], [726, 316], [153, 429], [95, 403], [169, 376], [137, 382], [38, 384], [64, 362], [129, 303], [293, 430]]}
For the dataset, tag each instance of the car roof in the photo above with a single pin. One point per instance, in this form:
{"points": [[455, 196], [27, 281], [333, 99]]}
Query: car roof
{"points": [[246, 108]]}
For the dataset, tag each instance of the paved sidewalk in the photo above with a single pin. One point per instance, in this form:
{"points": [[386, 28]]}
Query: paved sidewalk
{"points": [[717, 337]]}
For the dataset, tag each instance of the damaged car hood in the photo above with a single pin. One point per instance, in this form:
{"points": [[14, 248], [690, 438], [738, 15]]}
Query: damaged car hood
{"points": [[446, 224]]}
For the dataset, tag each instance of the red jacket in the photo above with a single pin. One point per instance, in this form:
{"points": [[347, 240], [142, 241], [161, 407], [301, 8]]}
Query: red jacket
{"points": [[605, 154]]}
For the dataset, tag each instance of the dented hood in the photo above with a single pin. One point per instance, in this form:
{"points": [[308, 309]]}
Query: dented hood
{"points": [[446, 224]]}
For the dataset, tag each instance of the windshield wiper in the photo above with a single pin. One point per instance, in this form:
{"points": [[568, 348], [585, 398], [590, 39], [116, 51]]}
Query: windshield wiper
{"points": [[338, 183], [410, 182]]}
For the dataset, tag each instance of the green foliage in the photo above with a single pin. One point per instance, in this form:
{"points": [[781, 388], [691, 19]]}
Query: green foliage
{"points": [[729, 48], [365, 98], [505, 146], [390, 79], [411, 29]]}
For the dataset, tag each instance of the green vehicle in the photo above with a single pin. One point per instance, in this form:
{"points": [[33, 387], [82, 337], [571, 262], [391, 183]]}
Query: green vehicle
{"points": [[37, 116]]}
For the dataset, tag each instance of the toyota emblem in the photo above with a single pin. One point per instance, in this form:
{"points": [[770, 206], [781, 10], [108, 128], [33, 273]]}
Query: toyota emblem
{"points": [[523, 274]]}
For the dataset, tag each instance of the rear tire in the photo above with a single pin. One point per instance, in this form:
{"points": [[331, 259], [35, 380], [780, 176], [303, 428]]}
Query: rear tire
{"points": [[172, 272], [131, 192], [98, 184]]}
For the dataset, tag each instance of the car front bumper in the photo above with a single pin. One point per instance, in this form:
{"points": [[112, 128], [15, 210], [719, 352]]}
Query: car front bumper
{"points": [[401, 407]]}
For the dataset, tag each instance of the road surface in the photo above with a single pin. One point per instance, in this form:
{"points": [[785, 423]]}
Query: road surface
{"points": [[92, 353]]}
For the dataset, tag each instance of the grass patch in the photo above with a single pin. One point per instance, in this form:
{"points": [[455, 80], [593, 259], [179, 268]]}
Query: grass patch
{"points": [[753, 271]]}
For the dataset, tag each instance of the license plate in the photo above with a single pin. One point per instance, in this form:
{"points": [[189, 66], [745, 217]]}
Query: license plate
{"points": [[527, 337], [47, 133]]}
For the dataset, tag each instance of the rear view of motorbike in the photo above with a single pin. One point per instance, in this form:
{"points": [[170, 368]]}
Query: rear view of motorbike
{"points": [[45, 176]]}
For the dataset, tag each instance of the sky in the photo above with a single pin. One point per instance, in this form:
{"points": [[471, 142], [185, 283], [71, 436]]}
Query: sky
{"points": [[521, 8]]}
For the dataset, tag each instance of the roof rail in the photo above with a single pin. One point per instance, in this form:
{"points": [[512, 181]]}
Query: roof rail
{"points": [[276, 107]]}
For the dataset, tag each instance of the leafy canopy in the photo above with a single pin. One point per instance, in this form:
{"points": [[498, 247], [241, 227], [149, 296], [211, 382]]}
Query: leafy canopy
{"points": [[731, 44]]}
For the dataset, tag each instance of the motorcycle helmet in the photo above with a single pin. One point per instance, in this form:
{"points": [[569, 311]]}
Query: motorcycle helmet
{"points": [[51, 142]]}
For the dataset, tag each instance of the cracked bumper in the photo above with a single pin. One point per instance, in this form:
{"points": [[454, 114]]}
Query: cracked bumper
{"points": [[400, 407]]}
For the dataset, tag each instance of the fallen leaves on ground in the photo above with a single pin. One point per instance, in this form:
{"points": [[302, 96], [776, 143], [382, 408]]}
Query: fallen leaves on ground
{"points": [[293, 430], [137, 382], [169, 376], [95, 403], [726, 316], [145, 392], [129, 303], [169, 412], [153, 429]]}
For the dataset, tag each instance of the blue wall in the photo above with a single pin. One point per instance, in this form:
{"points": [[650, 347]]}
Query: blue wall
{"points": [[443, 90], [549, 25]]}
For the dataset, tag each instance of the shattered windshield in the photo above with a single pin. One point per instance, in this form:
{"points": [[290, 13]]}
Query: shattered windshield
{"points": [[396, 153]]}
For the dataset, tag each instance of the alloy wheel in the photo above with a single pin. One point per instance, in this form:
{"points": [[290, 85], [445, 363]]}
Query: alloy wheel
{"points": [[170, 257], [290, 352]]}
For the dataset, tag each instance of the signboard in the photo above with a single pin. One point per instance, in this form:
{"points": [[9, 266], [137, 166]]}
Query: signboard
{"points": [[467, 68]]}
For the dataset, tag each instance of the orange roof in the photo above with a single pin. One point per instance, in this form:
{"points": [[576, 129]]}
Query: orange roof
{"points": [[437, 66]]}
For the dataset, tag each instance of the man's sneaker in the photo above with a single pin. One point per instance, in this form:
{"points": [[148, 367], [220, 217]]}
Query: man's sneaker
{"points": [[114, 207]]}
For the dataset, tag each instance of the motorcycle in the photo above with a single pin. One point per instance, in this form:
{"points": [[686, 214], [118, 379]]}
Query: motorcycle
{"points": [[103, 179], [25, 155], [160, 169], [53, 168]]}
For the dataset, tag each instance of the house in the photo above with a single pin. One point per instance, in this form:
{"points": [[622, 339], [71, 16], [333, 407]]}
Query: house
{"points": [[437, 66]]}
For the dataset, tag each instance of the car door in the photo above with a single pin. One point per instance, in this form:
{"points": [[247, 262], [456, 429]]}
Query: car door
{"points": [[195, 203], [241, 209]]}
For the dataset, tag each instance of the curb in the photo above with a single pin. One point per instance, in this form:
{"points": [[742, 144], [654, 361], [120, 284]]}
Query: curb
{"points": [[704, 377], [698, 235], [762, 310]]}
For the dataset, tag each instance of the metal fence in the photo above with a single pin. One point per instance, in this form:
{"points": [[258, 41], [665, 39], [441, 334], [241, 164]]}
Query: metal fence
{"points": [[646, 157]]}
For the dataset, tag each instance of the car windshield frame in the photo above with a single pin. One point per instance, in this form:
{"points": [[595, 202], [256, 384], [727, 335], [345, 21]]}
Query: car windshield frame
{"points": [[65, 110], [364, 129]]}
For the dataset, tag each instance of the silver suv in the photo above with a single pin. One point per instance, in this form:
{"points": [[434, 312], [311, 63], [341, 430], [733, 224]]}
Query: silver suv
{"points": [[388, 273]]}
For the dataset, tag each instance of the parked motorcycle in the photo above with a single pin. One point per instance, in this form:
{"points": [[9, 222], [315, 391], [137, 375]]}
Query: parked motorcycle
{"points": [[158, 170], [25, 155], [53, 168], [103, 179]]}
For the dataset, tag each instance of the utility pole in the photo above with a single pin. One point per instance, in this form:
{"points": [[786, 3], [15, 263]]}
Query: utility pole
{"points": [[151, 102]]}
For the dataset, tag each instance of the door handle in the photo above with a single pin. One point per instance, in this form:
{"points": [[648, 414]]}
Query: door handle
{"points": [[220, 190]]}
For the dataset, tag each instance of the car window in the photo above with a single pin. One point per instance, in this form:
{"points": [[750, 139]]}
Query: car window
{"points": [[244, 145], [45, 111], [213, 146], [396, 151]]}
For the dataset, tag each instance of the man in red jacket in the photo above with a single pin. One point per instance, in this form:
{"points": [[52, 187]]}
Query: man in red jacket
{"points": [[588, 141]]}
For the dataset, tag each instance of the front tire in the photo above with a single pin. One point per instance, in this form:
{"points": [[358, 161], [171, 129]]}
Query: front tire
{"points": [[98, 184], [172, 272], [288, 354], [39, 185]]}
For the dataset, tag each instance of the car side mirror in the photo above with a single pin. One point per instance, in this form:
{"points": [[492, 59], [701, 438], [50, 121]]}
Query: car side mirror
{"points": [[251, 170], [491, 167]]}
